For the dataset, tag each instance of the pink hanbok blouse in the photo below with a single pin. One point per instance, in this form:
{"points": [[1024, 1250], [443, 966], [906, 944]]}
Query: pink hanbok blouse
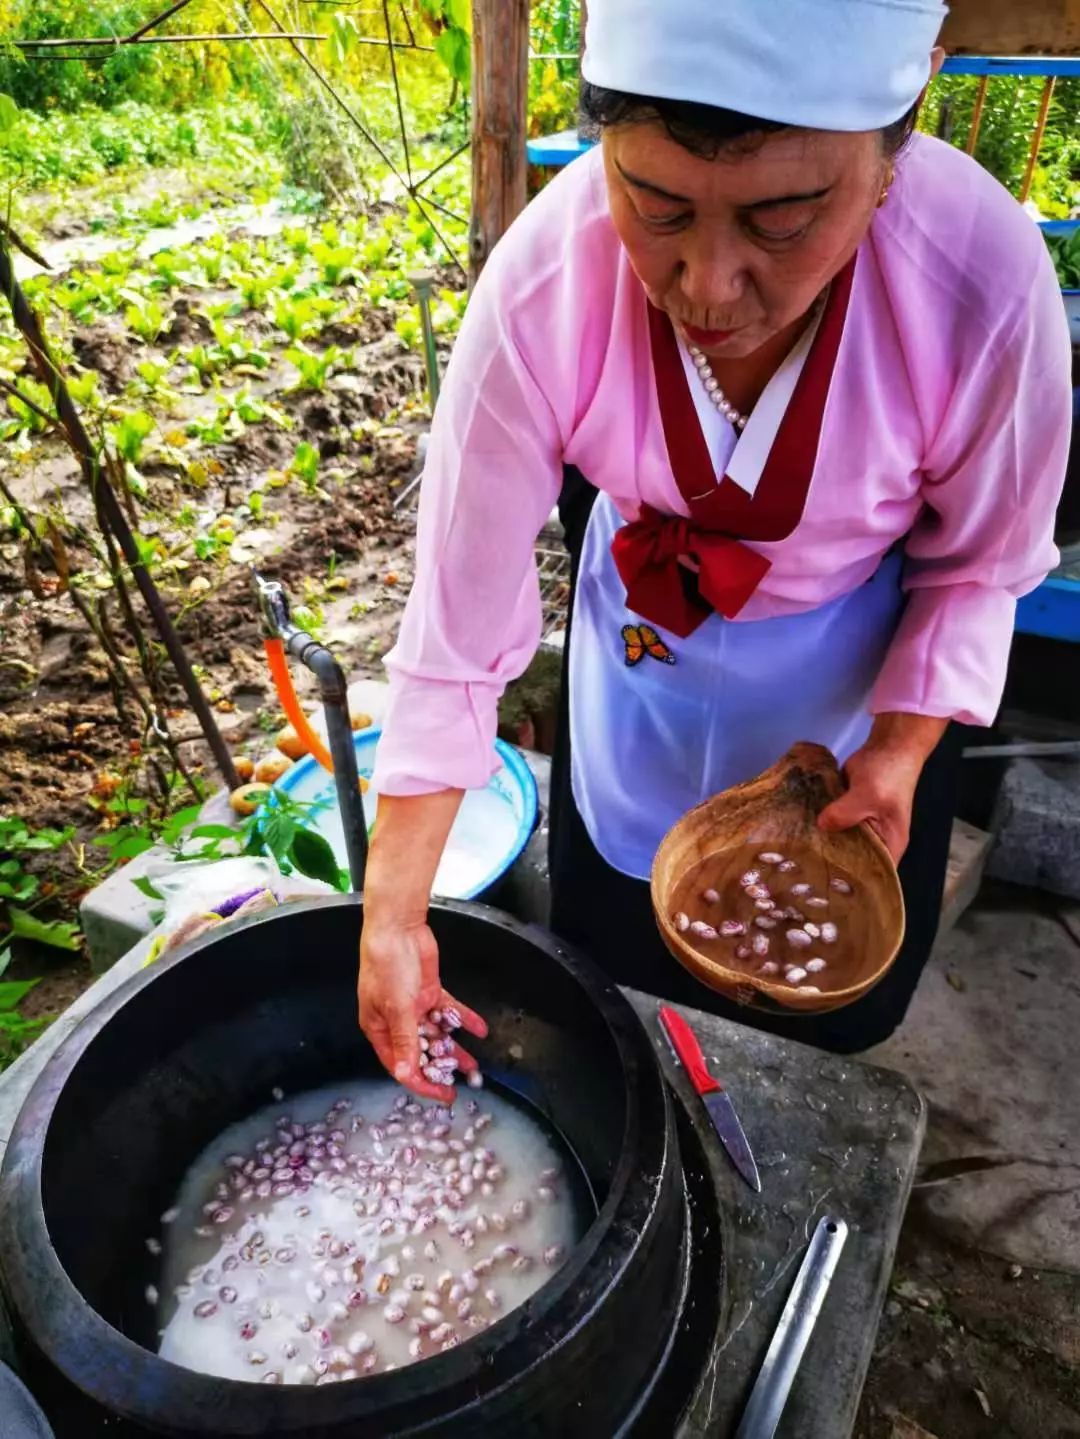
{"points": [[946, 428]]}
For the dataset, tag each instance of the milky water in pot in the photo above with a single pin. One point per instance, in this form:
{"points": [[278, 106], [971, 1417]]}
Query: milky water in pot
{"points": [[352, 1229]]}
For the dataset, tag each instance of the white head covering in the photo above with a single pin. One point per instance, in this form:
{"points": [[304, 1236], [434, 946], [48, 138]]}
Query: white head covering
{"points": [[823, 64]]}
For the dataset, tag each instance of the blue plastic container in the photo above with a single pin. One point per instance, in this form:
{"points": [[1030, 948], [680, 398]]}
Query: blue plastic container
{"points": [[492, 828]]}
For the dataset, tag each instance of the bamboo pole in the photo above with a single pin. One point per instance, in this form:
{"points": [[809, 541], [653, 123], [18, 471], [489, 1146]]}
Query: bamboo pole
{"points": [[977, 114], [1037, 137], [235, 35], [500, 89], [57, 49]]}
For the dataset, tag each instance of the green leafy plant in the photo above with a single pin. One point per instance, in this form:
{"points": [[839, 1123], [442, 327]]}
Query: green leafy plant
{"points": [[130, 434], [16, 1031], [28, 418], [313, 368], [305, 466], [281, 830], [334, 261], [20, 886], [234, 413], [298, 316], [1065, 251], [145, 316]]}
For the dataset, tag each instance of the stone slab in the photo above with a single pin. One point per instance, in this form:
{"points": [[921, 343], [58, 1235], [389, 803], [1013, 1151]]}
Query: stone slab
{"points": [[829, 1135], [1037, 826]]}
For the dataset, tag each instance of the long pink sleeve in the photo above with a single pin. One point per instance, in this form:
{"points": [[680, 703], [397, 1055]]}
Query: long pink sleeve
{"points": [[993, 478], [472, 622]]}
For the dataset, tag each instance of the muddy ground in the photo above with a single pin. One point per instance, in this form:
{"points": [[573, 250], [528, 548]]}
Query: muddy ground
{"points": [[971, 1347]]}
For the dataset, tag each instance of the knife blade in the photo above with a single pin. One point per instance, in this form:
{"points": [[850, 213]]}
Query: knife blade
{"points": [[712, 1093]]}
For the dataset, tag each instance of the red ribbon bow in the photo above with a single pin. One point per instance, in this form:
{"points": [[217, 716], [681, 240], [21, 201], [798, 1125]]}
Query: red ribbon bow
{"points": [[648, 554]]}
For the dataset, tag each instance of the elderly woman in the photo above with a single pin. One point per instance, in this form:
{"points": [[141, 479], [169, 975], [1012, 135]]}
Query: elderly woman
{"points": [[802, 380]]}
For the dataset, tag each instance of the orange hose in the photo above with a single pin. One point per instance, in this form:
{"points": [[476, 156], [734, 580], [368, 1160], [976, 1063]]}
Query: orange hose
{"points": [[279, 673]]}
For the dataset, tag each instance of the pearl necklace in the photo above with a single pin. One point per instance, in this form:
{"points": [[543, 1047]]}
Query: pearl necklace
{"points": [[713, 390]]}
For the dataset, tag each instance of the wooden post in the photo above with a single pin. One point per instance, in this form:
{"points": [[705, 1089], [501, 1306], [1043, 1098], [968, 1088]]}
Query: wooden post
{"points": [[1012, 27], [500, 92], [977, 114], [1037, 138]]}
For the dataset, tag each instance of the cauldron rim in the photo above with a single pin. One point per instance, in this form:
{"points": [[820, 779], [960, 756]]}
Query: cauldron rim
{"points": [[21, 1186]]}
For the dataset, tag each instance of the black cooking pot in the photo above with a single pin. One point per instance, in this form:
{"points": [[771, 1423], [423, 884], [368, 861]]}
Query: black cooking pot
{"points": [[199, 1040]]}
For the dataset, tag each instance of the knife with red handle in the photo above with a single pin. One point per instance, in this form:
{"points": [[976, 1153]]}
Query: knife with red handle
{"points": [[715, 1098]]}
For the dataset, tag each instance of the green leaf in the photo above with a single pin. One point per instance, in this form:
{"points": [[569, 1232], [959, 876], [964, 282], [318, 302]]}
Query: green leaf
{"points": [[312, 855], [459, 13], [214, 831], [343, 36], [48, 838], [55, 933], [23, 888], [452, 48], [9, 114], [5, 958], [13, 833], [13, 992], [144, 886], [179, 822], [125, 843]]}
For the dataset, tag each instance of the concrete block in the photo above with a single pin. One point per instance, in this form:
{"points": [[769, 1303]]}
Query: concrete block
{"points": [[968, 852], [1037, 826]]}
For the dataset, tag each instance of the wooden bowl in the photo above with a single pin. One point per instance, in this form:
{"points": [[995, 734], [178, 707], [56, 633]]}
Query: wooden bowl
{"points": [[711, 847]]}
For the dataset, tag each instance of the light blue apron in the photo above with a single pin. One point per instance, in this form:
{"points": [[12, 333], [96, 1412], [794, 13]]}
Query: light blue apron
{"points": [[649, 742]]}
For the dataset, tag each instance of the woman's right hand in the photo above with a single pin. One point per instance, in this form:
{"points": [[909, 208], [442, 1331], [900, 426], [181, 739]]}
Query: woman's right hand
{"points": [[399, 959], [399, 984]]}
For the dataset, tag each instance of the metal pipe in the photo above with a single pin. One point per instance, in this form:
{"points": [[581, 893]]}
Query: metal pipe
{"points": [[422, 287], [1064, 749], [334, 693], [777, 1374]]}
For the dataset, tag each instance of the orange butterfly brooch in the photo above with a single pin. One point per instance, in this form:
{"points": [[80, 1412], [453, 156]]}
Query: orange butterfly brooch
{"points": [[642, 640]]}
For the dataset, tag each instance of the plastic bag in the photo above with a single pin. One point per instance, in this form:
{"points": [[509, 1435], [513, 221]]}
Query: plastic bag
{"points": [[201, 895]]}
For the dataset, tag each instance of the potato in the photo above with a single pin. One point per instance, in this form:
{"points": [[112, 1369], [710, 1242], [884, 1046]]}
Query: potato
{"points": [[270, 769], [245, 768], [247, 799], [290, 743], [361, 721]]}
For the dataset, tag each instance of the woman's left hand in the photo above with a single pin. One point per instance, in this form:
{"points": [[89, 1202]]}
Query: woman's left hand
{"points": [[882, 777]]}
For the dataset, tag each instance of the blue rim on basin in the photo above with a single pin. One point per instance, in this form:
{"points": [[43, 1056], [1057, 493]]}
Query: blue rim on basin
{"points": [[513, 783]]}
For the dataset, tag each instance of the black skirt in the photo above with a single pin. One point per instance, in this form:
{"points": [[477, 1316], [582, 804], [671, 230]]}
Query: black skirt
{"points": [[609, 915]]}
